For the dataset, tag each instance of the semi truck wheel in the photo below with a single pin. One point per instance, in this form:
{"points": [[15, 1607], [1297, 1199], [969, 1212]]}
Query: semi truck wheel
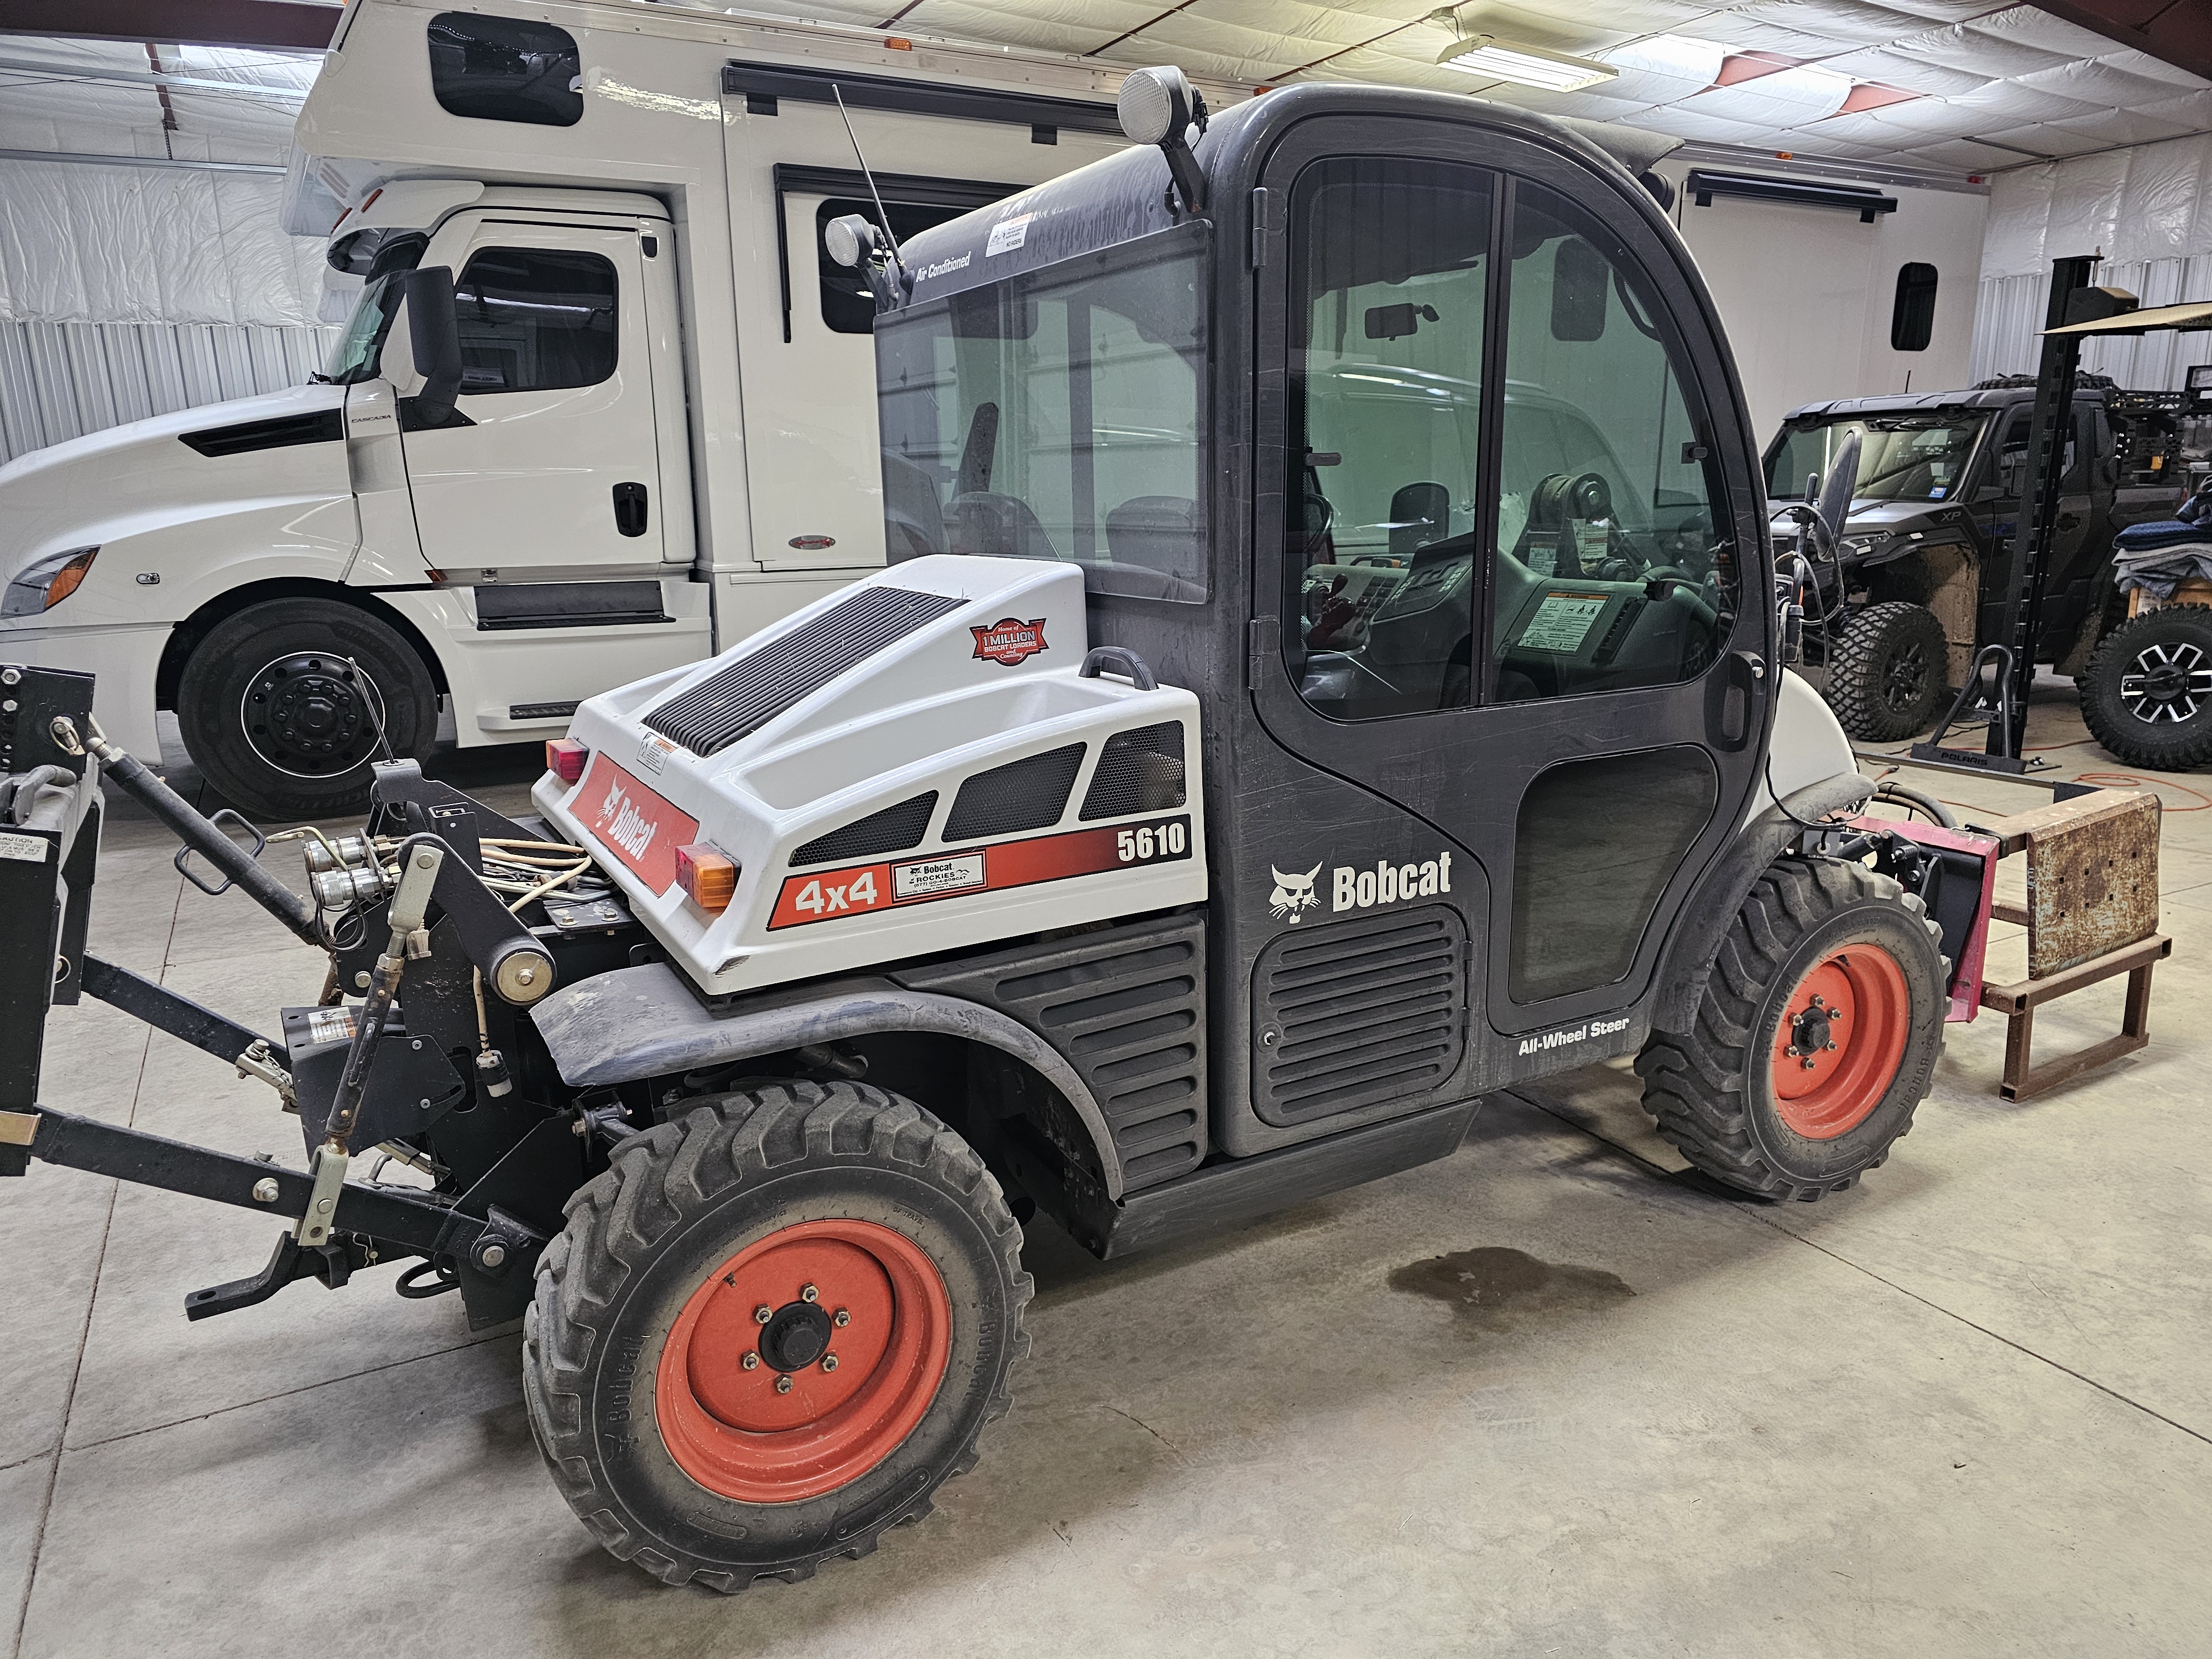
{"points": [[282, 706], [2146, 693], [1816, 1038], [772, 1330], [1888, 672]]}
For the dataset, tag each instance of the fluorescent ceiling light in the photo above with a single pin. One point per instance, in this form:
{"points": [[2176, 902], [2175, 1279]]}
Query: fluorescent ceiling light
{"points": [[1528, 66]]}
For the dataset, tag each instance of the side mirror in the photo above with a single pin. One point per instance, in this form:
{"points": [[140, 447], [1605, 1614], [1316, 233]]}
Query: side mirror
{"points": [[1580, 284], [1160, 106], [434, 335]]}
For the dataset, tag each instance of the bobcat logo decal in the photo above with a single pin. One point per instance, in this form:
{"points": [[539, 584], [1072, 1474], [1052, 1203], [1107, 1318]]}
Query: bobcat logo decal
{"points": [[1293, 893]]}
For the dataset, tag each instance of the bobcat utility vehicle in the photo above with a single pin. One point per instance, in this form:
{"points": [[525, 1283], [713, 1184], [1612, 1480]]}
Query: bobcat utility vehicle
{"points": [[1328, 671]]}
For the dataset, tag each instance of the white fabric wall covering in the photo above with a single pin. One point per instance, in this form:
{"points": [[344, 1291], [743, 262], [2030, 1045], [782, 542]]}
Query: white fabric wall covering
{"points": [[60, 380], [2147, 210]]}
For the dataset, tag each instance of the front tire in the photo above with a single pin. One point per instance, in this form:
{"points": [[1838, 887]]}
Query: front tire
{"points": [[682, 1457], [1889, 672], [275, 719], [2146, 693], [1816, 1038]]}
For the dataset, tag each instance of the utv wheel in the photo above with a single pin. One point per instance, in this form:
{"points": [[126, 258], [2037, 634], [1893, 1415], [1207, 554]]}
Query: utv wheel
{"points": [[274, 715], [1816, 1038], [1889, 672], [772, 1330], [2147, 695]]}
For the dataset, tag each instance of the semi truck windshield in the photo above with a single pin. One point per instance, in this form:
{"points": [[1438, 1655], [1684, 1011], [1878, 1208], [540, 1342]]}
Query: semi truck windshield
{"points": [[1057, 414], [1904, 458]]}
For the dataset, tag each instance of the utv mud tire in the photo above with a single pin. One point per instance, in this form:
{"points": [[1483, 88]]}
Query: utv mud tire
{"points": [[275, 720], [1888, 672], [2147, 695], [1735, 1093], [679, 1456]]}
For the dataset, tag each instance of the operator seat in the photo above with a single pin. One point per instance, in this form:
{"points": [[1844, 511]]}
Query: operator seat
{"points": [[1159, 532], [983, 524]]}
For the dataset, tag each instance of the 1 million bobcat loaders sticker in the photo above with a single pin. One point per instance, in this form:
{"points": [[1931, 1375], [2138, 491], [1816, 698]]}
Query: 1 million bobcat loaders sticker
{"points": [[862, 887], [1010, 640]]}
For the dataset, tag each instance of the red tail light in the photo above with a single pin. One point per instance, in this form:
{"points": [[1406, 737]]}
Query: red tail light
{"points": [[565, 758], [709, 877]]}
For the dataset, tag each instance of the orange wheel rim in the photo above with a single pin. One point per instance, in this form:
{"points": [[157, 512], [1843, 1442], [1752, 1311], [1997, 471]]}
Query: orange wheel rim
{"points": [[1841, 1037], [837, 1379]]}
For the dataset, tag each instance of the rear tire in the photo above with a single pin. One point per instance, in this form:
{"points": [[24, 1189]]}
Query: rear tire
{"points": [[681, 1458], [1889, 672], [276, 720], [2146, 693], [1735, 1094]]}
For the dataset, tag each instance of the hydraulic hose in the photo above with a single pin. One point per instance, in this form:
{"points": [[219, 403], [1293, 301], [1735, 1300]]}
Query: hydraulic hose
{"points": [[1937, 813], [207, 839]]}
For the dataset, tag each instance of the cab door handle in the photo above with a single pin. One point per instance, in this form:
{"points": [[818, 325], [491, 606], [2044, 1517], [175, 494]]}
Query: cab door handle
{"points": [[630, 508]]}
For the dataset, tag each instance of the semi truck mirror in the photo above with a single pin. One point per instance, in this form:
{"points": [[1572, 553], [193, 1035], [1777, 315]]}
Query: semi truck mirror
{"points": [[434, 335], [1580, 281]]}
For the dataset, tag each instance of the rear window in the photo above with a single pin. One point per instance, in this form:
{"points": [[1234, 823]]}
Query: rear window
{"points": [[503, 69]]}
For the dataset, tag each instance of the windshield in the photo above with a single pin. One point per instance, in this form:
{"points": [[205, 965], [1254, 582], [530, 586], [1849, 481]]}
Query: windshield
{"points": [[355, 356], [1903, 457], [1056, 415]]}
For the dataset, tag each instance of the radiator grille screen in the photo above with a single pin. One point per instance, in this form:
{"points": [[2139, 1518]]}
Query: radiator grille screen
{"points": [[1138, 771], [893, 830], [1358, 1012], [753, 690], [1024, 795]]}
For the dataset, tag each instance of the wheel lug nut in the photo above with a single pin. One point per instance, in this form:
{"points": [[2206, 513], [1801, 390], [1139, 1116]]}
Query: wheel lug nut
{"points": [[1795, 1051], [763, 1314], [840, 1317], [783, 1385], [808, 1293], [1831, 1042], [1809, 1064], [828, 1362], [750, 1362]]}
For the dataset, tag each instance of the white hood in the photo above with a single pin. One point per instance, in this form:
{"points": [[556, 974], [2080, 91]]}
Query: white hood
{"points": [[128, 479]]}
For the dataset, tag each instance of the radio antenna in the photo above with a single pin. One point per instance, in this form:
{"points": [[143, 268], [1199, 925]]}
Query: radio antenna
{"points": [[882, 217]]}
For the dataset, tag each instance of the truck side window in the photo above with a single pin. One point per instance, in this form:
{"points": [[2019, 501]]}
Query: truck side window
{"points": [[505, 69], [1612, 566], [1389, 268], [535, 319]]}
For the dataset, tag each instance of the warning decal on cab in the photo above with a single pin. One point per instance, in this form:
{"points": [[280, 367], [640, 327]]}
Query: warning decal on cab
{"points": [[830, 894]]}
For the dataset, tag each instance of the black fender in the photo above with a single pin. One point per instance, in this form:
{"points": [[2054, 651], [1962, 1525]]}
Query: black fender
{"points": [[1711, 909], [645, 1022]]}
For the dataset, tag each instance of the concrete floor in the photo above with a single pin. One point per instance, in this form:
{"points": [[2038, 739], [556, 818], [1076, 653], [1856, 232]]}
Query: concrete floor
{"points": [[1965, 1408]]}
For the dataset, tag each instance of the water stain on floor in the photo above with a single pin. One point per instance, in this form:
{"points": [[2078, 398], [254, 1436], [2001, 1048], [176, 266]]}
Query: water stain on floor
{"points": [[1493, 1288]]}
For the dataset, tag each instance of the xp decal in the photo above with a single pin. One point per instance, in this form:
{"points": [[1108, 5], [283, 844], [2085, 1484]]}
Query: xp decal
{"points": [[860, 889], [1010, 640]]}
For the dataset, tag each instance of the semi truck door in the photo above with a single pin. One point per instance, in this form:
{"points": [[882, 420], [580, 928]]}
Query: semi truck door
{"points": [[1503, 521], [551, 462]]}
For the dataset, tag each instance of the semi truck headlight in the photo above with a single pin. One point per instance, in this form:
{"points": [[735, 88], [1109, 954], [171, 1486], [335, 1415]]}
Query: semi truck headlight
{"points": [[45, 584]]}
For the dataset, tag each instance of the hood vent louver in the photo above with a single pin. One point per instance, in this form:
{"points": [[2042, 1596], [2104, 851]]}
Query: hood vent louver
{"points": [[750, 692]]}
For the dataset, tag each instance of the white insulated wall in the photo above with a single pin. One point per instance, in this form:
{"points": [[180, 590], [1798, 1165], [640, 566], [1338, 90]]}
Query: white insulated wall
{"points": [[2146, 209], [1807, 293]]}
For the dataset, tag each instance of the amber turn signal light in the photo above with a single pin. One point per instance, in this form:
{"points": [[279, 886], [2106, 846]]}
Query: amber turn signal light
{"points": [[709, 877], [565, 758]]}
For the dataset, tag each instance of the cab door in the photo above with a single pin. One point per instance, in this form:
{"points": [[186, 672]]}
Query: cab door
{"points": [[1503, 523], [550, 464]]}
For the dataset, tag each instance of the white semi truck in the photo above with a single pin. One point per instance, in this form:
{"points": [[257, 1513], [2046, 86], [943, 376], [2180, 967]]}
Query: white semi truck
{"points": [[658, 435]]}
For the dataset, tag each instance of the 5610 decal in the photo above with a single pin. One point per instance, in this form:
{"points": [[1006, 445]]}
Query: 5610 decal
{"points": [[858, 890]]}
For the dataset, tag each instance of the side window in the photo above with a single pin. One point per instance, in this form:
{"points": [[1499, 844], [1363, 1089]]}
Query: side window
{"points": [[1612, 567], [1390, 267], [847, 307], [1912, 313], [503, 69], [535, 319]]}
